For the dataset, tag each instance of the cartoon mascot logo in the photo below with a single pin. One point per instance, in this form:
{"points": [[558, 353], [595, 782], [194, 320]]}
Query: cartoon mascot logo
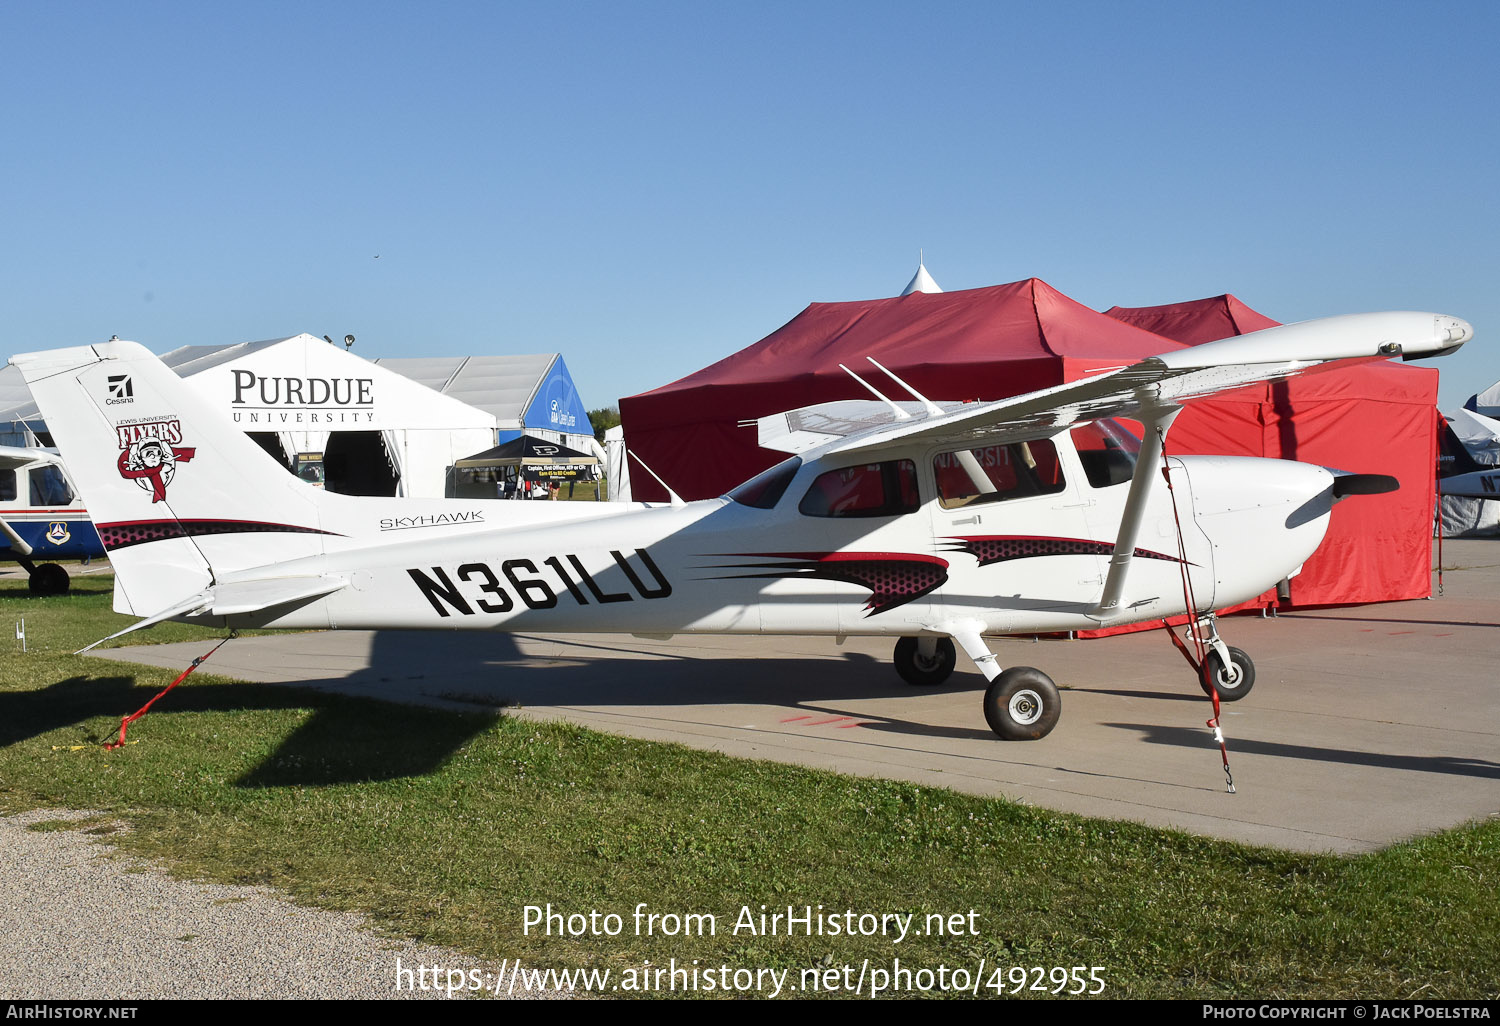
{"points": [[149, 457]]}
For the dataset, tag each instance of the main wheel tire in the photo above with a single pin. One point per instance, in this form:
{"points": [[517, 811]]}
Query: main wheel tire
{"points": [[1022, 704], [923, 672], [49, 579], [1231, 686]]}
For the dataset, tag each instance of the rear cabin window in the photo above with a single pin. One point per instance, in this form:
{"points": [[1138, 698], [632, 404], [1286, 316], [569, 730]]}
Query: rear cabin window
{"points": [[869, 490], [7, 486], [997, 472]]}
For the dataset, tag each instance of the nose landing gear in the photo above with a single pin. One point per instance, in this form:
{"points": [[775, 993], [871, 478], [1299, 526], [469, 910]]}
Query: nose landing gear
{"points": [[1228, 670]]}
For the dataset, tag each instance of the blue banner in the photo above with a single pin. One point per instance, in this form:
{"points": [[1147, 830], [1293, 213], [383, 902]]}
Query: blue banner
{"points": [[557, 406]]}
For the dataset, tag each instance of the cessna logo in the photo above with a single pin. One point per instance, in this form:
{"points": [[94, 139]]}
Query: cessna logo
{"points": [[478, 584], [121, 390], [149, 454]]}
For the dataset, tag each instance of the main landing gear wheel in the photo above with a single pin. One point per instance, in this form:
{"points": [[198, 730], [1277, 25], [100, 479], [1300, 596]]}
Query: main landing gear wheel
{"points": [[1231, 682], [49, 579], [1022, 704], [929, 670]]}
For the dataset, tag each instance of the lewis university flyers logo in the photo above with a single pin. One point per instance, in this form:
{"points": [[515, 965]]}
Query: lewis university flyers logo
{"points": [[149, 454]]}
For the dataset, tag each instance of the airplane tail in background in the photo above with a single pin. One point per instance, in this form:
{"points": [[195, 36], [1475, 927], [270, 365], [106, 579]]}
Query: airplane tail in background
{"points": [[157, 463]]}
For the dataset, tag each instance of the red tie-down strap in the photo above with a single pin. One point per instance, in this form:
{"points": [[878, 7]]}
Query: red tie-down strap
{"points": [[128, 720], [1200, 664]]}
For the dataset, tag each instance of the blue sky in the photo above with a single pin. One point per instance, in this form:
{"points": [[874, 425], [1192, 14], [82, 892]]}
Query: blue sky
{"points": [[649, 187]]}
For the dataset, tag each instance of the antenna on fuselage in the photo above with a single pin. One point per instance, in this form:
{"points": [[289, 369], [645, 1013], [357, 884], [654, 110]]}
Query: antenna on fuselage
{"points": [[672, 496], [933, 409], [898, 411]]}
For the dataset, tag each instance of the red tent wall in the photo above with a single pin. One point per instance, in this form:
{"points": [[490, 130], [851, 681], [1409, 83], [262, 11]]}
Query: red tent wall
{"points": [[977, 344], [1371, 418], [1008, 339]]}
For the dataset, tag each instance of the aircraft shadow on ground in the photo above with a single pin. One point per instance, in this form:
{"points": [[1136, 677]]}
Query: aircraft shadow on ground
{"points": [[491, 669], [1194, 695], [1184, 737], [342, 742]]}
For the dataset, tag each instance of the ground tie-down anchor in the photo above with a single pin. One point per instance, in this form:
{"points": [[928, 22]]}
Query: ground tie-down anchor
{"points": [[128, 720], [1219, 737], [1204, 671]]}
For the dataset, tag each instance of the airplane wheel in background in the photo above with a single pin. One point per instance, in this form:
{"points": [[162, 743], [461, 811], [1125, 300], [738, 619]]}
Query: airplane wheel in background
{"points": [[1022, 704], [925, 672], [1231, 686], [49, 579]]}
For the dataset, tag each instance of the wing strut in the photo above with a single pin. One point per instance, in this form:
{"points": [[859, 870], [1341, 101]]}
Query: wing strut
{"points": [[1157, 420], [17, 543], [898, 411]]}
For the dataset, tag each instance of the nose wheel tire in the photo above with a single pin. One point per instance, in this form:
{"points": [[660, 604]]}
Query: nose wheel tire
{"points": [[1022, 704], [1232, 682], [925, 671]]}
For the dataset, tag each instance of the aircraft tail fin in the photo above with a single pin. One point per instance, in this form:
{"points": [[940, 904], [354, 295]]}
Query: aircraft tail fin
{"points": [[166, 476], [1454, 457]]}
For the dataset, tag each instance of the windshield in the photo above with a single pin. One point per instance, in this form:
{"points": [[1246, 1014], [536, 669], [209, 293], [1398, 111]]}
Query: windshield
{"points": [[1107, 449], [764, 490]]}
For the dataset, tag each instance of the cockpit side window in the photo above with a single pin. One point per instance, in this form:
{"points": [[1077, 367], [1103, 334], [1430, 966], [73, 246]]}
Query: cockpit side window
{"points": [[1107, 451], [7, 486], [995, 473], [49, 487], [764, 490], [869, 490]]}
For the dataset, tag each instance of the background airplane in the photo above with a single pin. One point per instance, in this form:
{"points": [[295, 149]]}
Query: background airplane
{"points": [[932, 524], [1459, 473], [41, 518]]}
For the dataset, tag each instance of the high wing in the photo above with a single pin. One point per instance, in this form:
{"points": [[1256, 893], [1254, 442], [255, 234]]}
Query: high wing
{"points": [[15, 458], [1152, 390], [1155, 383]]}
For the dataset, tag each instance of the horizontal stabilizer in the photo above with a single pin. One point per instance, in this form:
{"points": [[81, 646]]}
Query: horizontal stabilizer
{"points": [[237, 599]]}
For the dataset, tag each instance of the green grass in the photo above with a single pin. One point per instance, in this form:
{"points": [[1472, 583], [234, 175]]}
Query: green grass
{"points": [[443, 826]]}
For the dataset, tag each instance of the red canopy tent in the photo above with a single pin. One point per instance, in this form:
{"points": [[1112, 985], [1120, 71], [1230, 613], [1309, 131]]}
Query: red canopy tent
{"points": [[978, 344], [1374, 417], [1008, 339]]}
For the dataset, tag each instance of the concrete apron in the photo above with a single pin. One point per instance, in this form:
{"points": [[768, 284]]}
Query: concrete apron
{"points": [[1366, 725]]}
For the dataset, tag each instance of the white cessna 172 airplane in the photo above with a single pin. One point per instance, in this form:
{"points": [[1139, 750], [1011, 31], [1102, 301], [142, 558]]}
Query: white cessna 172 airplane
{"points": [[930, 523]]}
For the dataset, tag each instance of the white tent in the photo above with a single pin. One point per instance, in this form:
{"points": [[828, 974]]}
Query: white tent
{"points": [[617, 464], [324, 406], [1486, 403], [921, 281], [1480, 435], [19, 417], [532, 393]]}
